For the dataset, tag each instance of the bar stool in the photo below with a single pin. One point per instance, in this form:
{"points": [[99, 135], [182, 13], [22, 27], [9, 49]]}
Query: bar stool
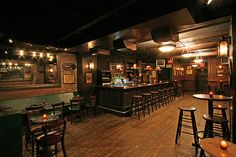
{"points": [[147, 101], [172, 90], [187, 116], [216, 120], [137, 105], [220, 108], [162, 97], [155, 98]]}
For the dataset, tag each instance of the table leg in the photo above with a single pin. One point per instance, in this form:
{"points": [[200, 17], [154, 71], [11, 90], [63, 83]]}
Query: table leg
{"points": [[210, 112]]}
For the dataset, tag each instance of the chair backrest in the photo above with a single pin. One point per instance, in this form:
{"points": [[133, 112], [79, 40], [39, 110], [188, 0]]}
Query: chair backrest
{"points": [[93, 100], [58, 107], [33, 113], [54, 132], [34, 107], [74, 103]]}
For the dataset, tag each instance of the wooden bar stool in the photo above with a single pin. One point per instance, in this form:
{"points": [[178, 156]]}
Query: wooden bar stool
{"points": [[162, 97], [155, 98], [216, 120], [220, 108], [137, 105], [187, 120], [147, 101]]}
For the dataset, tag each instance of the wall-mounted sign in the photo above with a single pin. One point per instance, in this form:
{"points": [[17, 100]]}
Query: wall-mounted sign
{"points": [[68, 66]]}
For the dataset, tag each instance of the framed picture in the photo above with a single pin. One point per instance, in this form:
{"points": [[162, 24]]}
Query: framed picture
{"points": [[189, 72], [68, 78], [189, 67], [160, 63], [88, 78], [224, 60]]}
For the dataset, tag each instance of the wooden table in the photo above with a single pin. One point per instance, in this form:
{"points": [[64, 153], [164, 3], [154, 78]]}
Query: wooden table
{"points": [[41, 120], [212, 147], [211, 99]]}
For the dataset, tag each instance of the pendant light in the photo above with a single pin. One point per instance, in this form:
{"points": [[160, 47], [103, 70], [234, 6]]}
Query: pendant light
{"points": [[223, 48], [198, 59]]}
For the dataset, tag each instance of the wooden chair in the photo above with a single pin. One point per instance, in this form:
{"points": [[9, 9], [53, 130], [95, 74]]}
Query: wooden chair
{"points": [[53, 134], [75, 108], [91, 105], [58, 109], [33, 129]]}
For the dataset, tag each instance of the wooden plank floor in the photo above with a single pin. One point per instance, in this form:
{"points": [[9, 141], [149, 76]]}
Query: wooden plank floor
{"points": [[107, 135]]}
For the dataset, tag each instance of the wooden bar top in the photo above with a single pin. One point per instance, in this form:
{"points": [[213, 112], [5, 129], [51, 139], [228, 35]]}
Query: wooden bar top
{"points": [[131, 86]]}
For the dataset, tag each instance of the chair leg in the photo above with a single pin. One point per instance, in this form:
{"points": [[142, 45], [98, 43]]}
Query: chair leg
{"points": [[33, 141], [27, 138], [63, 148], [202, 154]]}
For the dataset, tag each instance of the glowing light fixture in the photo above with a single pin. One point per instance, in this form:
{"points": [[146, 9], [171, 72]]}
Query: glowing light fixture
{"points": [[135, 66], [34, 54], [198, 59], [41, 55], [21, 53], [91, 65], [167, 47], [208, 2], [187, 55], [223, 48], [48, 55], [194, 65]]}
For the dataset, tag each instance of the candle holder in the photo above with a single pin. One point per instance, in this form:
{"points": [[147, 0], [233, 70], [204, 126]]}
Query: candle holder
{"points": [[44, 116], [211, 94], [223, 145]]}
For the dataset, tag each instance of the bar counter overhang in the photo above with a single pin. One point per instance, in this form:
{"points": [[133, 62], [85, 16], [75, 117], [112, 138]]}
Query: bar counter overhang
{"points": [[118, 98]]}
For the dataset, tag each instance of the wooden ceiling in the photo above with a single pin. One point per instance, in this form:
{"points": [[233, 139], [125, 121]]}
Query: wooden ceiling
{"points": [[82, 26]]}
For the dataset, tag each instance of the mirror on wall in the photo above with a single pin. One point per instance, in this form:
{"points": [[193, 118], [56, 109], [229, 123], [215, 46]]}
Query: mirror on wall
{"points": [[28, 69]]}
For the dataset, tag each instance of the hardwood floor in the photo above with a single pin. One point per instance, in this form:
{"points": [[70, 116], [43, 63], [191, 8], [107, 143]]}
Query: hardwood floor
{"points": [[107, 135]]}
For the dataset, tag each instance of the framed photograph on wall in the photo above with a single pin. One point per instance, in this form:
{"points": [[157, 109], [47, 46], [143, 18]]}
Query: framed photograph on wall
{"points": [[161, 63], [68, 78], [88, 78]]}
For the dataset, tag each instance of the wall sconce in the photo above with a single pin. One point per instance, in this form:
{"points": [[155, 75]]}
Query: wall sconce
{"points": [[223, 47], [90, 65], [50, 69]]}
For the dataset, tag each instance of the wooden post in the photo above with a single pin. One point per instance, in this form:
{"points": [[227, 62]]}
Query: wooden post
{"points": [[233, 42]]}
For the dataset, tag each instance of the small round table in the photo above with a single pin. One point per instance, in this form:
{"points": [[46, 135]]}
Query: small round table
{"points": [[210, 103], [211, 99], [212, 147], [41, 120]]}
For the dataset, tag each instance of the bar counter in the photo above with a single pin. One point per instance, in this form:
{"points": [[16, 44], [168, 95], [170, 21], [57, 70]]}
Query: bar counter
{"points": [[118, 98]]}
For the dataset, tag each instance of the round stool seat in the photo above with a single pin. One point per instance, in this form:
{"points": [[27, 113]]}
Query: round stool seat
{"points": [[187, 108], [220, 107], [215, 119]]}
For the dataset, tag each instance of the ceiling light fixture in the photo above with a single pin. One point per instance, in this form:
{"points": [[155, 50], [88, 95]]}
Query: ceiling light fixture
{"points": [[208, 2], [194, 65], [223, 47], [187, 55], [198, 59], [167, 47]]}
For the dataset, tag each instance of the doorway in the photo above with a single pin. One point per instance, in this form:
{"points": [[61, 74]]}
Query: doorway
{"points": [[201, 81]]}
